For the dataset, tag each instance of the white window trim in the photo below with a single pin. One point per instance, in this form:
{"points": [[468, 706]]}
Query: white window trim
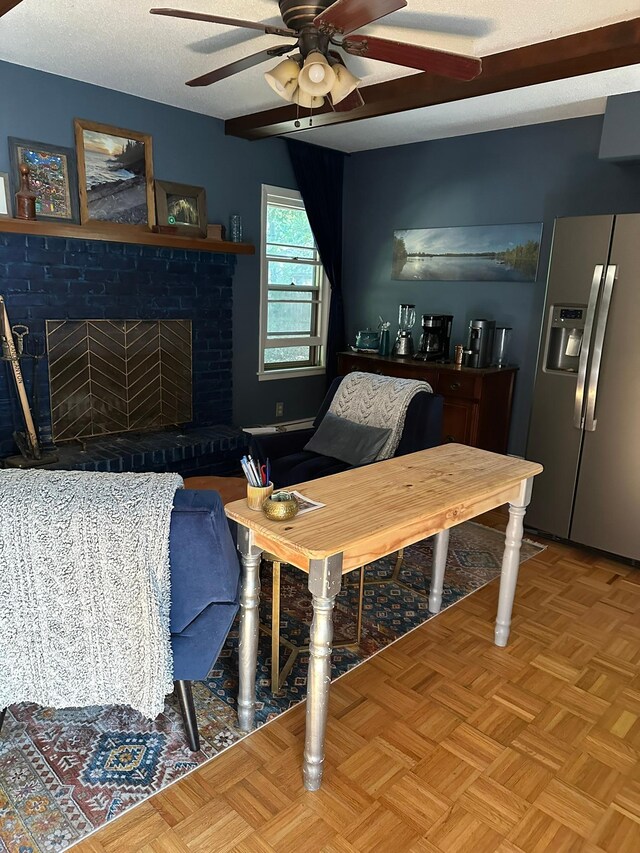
{"points": [[325, 296]]}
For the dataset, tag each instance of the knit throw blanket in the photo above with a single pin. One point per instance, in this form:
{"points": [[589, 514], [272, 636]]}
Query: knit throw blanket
{"points": [[85, 589], [380, 401]]}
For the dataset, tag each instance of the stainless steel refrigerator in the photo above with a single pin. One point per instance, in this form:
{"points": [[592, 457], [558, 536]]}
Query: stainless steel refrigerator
{"points": [[585, 421]]}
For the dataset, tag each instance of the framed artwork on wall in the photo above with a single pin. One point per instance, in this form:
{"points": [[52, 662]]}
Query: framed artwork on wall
{"points": [[115, 171], [5, 196], [183, 207], [52, 177], [467, 253]]}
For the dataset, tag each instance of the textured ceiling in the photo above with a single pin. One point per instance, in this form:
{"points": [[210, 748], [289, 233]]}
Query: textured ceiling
{"points": [[118, 44]]}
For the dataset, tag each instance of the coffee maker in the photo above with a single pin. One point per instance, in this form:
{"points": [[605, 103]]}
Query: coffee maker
{"points": [[435, 338], [403, 346], [479, 343]]}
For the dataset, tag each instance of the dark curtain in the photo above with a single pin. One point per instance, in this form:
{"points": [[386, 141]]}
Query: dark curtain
{"points": [[319, 174]]}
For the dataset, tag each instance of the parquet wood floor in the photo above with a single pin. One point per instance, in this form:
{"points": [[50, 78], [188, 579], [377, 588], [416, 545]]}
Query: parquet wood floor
{"points": [[444, 743]]}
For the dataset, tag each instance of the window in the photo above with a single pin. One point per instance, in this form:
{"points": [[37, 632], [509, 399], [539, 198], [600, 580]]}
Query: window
{"points": [[293, 290]]}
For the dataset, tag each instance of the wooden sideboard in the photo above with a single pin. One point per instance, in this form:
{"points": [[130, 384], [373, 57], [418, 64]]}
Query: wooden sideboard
{"points": [[477, 401]]}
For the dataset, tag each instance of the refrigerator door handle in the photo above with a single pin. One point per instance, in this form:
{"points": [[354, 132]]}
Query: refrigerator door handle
{"points": [[598, 343], [578, 416]]}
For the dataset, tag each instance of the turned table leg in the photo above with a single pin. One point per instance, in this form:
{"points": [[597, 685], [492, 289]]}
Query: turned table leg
{"points": [[440, 549], [511, 562], [325, 578], [248, 643]]}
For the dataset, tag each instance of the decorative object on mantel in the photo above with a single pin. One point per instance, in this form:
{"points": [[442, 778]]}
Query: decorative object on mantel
{"points": [[115, 169], [165, 229], [5, 196], [25, 198], [215, 232], [467, 253], [235, 228], [182, 206], [53, 177]]}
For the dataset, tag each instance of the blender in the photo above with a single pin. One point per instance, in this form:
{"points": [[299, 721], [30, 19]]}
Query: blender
{"points": [[403, 346]]}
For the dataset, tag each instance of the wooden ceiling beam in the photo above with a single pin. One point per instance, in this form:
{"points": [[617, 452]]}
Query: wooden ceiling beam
{"points": [[7, 6], [613, 46]]}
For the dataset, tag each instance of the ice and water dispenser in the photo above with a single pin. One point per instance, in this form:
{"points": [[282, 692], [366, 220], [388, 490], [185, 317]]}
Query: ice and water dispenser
{"points": [[565, 337]]}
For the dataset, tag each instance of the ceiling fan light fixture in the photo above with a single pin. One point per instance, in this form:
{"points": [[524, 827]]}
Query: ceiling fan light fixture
{"points": [[310, 102], [345, 83], [283, 79], [317, 76]]}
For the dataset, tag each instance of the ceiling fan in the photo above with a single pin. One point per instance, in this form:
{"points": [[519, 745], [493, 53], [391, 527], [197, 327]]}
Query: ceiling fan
{"points": [[317, 71]]}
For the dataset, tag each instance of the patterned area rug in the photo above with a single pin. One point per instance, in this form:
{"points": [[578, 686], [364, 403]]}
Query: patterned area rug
{"points": [[65, 773]]}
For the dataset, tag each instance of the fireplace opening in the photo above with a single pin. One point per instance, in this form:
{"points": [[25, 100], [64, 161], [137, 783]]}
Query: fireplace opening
{"points": [[118, 376]]}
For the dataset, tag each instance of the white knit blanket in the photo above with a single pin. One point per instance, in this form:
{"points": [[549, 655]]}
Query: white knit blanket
{"points": [[85, 589], [380, 401]]}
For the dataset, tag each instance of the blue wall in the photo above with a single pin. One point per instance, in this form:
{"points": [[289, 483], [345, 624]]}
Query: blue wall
{"points": [[529, 174], [188, 148]]}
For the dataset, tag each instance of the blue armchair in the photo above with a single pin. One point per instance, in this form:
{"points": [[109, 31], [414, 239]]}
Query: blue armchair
{"points": [[205, 578]]}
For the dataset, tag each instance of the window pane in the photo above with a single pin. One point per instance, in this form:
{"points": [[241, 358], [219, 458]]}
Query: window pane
{"points": [[292, 294], [291, 252], [289, 273], [289, 317], [282, 355], [288, 225]]}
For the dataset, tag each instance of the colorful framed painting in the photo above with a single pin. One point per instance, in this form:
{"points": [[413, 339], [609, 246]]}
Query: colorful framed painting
{"points": [[182, 206], [52, 177], [467, 253], [5, 196], [115, 171]]}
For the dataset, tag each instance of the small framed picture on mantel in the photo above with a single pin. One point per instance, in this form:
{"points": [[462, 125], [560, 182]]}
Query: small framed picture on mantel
{"points": [[183, 207]]}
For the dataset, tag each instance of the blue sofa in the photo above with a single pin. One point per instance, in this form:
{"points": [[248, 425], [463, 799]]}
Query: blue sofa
{"points": [[205, 580]]}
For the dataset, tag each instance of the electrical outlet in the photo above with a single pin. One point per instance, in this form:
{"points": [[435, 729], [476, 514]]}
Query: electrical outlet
{"points": [[279, 410]]}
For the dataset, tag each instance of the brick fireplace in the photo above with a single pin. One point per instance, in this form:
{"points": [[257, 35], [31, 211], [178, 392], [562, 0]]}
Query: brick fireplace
{"points": [[61, 279]]}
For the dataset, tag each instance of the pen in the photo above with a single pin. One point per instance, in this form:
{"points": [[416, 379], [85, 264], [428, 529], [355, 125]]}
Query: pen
{"points": [[256, 472], [248, 472]]}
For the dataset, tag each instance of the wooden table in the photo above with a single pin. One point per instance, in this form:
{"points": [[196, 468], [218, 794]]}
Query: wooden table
{"points": [[370, 512]]}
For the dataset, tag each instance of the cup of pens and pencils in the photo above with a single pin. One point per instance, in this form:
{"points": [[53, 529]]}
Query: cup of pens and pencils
{"points": [[259, 485]]}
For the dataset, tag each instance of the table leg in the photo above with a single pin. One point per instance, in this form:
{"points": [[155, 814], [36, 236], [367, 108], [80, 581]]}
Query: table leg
{"points": [[440, 549], [511, 562], [325, 578], [275, 628], [248, 643]]}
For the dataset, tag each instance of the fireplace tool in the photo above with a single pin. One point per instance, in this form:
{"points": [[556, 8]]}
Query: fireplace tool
{"points": [[27, 441]]}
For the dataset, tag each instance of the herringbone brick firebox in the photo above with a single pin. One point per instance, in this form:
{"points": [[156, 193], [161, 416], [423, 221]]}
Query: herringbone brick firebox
{"points": [[110, 376], [53, 278]]}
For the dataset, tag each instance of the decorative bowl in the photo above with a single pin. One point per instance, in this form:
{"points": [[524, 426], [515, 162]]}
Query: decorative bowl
{"points": [[281, 506]]}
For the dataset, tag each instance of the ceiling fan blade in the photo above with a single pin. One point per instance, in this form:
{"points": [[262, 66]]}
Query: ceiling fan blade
{"points": [[7, 6], [414, 56], [231, 22], [345, 16], [240, 65], [353, 101]]}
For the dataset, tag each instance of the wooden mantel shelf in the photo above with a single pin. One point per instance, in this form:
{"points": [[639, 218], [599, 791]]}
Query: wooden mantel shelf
{"points": [[115, 233]]}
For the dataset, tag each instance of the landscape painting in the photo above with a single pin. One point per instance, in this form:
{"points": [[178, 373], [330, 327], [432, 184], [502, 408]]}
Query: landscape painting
{"points": [[467, 253], [116, 174]]}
